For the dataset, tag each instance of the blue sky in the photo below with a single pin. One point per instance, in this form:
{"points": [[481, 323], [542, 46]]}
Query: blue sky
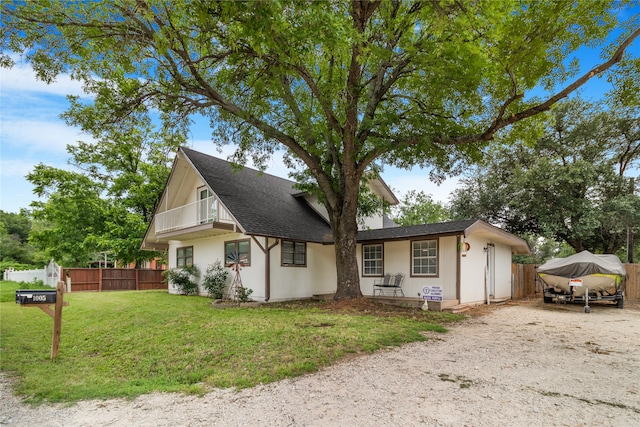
{"points": [[31, 132]]}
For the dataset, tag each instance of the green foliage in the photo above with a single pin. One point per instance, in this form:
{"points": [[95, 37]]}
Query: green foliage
{"points": [[68, 221], [14, 235], [123, 175], [419, 208], [215, 280], [569, 185], [18, 225], [125, 344], [184, 278], [243, 294], [542, 250], [8, 289], [343, 88], [6, 264]]}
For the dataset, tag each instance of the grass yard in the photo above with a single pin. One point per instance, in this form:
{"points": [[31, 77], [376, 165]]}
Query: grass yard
{"points": [[123, 344]]}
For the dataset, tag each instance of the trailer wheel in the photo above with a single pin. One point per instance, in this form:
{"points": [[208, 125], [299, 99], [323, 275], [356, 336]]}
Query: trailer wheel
{"points": [[548, 300], [620, 303]]}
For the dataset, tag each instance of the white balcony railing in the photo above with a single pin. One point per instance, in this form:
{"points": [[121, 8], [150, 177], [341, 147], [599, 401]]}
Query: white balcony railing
{"points": [[196, 213]]}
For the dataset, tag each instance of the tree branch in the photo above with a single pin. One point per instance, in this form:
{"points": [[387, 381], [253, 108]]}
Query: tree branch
{"points": [[502, 122]]}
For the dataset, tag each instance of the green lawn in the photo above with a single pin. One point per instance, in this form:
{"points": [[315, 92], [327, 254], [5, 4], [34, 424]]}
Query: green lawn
{"points": [[123, 344]]}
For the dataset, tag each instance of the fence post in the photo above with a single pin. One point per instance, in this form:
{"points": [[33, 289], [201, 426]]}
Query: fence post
{"points": [[100, 273]]}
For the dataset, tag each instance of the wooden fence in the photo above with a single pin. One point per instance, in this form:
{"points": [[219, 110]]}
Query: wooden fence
{"points": [[525, 283], [633, 281], [113, 279]]}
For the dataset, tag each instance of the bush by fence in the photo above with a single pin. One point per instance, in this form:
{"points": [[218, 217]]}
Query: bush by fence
{"points": [[526, 284]]}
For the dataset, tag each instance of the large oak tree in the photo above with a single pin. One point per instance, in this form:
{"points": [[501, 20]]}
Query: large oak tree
{"points": [[572, 184], [343, 87]]}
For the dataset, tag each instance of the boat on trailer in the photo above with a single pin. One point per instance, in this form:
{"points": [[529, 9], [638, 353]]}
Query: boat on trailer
{"points": [[583, 278]]}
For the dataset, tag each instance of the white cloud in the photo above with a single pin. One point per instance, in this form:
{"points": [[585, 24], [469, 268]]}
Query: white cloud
{"points": [[401, 184], [39, 136], [401, 181], [21, 78], [15, 168], [275, 166]]}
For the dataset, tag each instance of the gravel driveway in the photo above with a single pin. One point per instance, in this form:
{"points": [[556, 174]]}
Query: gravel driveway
{"points": [[522, 364]]}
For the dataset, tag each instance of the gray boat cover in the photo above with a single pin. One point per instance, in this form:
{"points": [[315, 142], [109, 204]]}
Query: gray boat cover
{"points": [[583, 264]]}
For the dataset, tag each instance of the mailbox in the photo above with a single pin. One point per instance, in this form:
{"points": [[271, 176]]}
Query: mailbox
{"points": [[32, 296]]}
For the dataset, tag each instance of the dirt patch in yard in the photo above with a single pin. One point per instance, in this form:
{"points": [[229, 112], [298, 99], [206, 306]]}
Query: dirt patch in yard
{"points": [[521, 363]]}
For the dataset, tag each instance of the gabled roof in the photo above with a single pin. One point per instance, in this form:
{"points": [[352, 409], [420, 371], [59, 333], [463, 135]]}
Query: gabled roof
{"points": [[263, 204], [421, 230], [464, 227], [266, 205]]}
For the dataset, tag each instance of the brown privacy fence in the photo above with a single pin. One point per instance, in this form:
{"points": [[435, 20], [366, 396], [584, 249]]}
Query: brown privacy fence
{"points": [[113, 279], [525, 283], [633, 281]]}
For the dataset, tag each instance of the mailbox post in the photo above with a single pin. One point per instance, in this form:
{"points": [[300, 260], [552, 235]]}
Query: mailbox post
{"points": [[43, 299]]}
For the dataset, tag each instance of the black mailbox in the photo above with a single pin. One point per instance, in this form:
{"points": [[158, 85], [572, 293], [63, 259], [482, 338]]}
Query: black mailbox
{"points": [[32, 296]]}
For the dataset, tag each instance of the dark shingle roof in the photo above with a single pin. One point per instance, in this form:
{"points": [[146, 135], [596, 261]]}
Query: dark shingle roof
{"points": [[262, 204], [422, 230]]}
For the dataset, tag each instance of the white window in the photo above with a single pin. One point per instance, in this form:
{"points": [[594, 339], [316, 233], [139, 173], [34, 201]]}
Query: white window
{"points": [[372, 260], [424, 258]]}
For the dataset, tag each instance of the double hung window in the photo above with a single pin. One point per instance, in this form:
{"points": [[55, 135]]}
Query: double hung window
{"points": [[184, 256], [372, 260], [424, 258], [294, 253]]}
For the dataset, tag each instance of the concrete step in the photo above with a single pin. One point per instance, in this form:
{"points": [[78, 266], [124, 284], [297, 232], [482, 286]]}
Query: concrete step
{"points": [[455, 309]]}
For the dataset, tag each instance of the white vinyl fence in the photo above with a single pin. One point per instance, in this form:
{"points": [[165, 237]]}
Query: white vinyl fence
{"points": [[50, 275]]}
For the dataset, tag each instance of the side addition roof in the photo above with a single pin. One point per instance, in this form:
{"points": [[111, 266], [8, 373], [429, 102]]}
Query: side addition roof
{"points": [[263, 204], [453, 228]]}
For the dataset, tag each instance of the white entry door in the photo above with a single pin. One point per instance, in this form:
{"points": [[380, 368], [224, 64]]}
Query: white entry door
{"points": [[207, 208], [491, 266]]}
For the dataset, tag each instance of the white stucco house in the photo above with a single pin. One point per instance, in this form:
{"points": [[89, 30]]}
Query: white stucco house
{"points": [[209, 210]]}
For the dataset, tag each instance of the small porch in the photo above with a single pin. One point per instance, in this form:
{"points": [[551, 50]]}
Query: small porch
{"points": [[451, 306]]}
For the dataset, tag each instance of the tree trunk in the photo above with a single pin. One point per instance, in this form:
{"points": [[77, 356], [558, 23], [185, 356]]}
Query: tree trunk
{"points": [[343, 209], [345, 233]]}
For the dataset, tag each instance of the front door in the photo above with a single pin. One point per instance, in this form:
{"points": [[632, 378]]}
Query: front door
{"points": [[491, 266]]}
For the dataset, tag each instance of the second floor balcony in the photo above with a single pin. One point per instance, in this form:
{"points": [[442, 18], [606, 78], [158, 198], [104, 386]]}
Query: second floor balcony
{"points": [[192, 216]]}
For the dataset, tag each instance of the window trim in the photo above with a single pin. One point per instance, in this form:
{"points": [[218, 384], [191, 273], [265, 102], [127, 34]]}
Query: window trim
{"points": [[411, 259], [295, 242], [236, 242], [184, 257], [381, 244]]}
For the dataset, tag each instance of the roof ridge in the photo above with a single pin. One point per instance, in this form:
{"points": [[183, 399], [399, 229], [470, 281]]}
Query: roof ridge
{"points": [[240, 167]]}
